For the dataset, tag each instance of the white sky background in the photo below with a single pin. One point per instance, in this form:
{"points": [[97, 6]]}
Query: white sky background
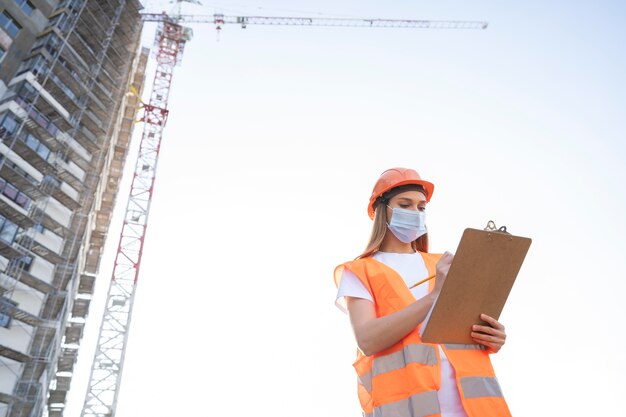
{"points": [[275, 138]]}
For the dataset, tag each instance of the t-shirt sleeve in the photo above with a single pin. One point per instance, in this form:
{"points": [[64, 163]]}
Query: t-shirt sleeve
{"points": [[350, 286]]}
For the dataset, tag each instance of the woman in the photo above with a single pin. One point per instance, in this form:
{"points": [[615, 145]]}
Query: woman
{"points": [[398, 374]]}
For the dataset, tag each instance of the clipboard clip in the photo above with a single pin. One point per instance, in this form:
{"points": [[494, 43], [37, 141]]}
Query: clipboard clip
{"points": [[491, 227]]}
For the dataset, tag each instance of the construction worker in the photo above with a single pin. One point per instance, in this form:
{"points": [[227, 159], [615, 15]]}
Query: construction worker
{"points": [[398, 374]]}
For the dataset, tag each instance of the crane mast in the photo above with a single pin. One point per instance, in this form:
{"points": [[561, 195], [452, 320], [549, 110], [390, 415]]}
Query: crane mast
{"points": [[171, 36], [106, 371]]}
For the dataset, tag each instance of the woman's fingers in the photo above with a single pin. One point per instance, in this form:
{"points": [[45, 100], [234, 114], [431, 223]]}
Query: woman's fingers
{"points": [[492, 342], [492, 336], [488, 338], [489, 330], [492, 347], [493, 322]]}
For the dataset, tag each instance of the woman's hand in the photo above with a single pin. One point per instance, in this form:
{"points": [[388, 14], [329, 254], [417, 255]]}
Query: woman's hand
{"points": [[442, 268], [492, 336]]}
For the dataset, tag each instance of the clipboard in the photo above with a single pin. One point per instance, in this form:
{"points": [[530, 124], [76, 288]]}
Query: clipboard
{"points": [[480, 279]]}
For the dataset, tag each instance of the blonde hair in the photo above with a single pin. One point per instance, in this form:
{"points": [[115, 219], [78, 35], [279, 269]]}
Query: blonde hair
{"points": [[379, 228]]}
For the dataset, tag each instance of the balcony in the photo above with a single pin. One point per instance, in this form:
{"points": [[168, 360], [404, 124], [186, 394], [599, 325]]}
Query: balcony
{"points": [[101, 94], [62, 94], [39, 248], [39, 160], [27, 184], [39, 189], [87, 52], [70, 74], [14, 212], [39, 124], [32, 281], [93, 122], [9, 251], [125, 36], [119, 60], [86, 284], [79, 310], [92, 22], [25, 317], [86, 138], [113, 72], [107, 7], [65, 172], [49, 222], [27, 89], [68, 160], [75, 152], [67, 359], [71, 202], [17, 356]]}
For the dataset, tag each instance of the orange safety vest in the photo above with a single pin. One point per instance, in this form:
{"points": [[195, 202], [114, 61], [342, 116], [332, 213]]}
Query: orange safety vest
{"points": [[403, 380]]}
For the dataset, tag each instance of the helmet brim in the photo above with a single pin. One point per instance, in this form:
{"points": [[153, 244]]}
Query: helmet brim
{"points": [[429, 187]]}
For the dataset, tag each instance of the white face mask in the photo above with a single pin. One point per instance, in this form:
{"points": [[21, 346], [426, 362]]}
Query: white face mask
{"points": [[407, 225]]}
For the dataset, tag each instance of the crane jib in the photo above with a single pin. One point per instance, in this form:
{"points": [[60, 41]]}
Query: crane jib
{"points": [[220, 19]]}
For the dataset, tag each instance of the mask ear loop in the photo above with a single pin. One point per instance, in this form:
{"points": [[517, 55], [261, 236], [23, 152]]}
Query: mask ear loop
{"points": [[380, 200]]}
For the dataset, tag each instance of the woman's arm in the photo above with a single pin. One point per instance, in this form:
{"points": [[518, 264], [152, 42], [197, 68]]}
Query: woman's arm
{"points": [[375, 334]]}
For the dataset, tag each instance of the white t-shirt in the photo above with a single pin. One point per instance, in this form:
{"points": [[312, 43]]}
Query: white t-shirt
{"points": [[411, 267]]}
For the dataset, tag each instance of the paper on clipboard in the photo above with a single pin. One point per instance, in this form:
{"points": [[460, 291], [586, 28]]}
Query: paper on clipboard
{"points": [[480, 279]]}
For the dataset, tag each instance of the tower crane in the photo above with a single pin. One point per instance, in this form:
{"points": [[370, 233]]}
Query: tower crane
{"points": [[171, 37]]}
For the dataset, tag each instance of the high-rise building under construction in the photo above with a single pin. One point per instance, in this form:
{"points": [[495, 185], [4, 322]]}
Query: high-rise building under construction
{"points": [[66, 118]]}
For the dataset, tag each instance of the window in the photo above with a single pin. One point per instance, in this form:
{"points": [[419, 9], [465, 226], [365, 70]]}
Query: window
{"points": [[13, 193], [2, 52], [9, 24], [26, 91], [32, 142], [26, 262], [22, 200], [51, 42], [5, 318], [8, 231], [10, 191], [70, 93], [49, 179], [70, 4], [26, 6], [62, 22], [43, 151], [37, 65], [8, 125]]}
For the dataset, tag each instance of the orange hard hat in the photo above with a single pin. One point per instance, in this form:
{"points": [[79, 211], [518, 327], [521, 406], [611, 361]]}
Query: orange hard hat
{"points": [[396, 177]]}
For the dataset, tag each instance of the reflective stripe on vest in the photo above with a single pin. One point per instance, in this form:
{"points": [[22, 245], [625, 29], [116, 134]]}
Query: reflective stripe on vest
{"points": [[461, 346], [475, 387], [422, 354], [366, 381], [418, 405]]}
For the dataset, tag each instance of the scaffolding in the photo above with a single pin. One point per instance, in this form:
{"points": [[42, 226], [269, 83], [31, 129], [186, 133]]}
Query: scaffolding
{"points": [[65, 104]]}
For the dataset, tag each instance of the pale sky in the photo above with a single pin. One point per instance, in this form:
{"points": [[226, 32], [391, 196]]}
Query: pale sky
{"points": [[275, 138]]}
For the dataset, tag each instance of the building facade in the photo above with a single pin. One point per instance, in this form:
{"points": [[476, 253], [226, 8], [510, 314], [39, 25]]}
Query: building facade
{"points": [[66, 118]]}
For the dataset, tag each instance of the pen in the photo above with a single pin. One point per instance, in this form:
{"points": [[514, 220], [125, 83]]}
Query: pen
{"points": [[422, 281]]}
